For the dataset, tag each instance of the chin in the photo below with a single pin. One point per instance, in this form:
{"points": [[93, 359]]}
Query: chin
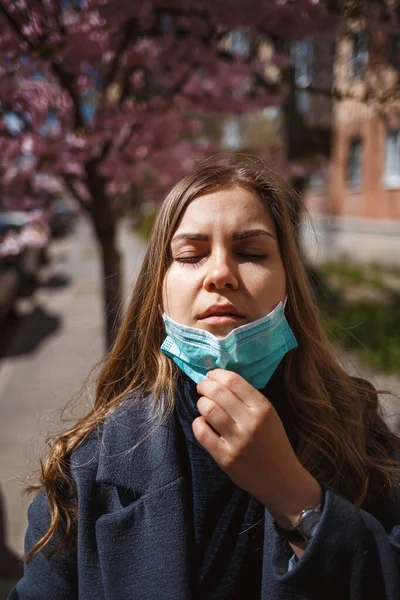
{"points": [[219, 331]]}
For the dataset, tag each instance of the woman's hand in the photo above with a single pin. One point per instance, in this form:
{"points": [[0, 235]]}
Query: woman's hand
{"points": [[243, 433]]}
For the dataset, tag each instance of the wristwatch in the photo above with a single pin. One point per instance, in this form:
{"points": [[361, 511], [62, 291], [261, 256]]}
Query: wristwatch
{"points": [[305, 528]]}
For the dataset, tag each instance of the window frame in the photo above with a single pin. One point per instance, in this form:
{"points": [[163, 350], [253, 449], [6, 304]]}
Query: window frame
{"points": [[302, 54], [355, 141], [391, 176], [359, 54]]}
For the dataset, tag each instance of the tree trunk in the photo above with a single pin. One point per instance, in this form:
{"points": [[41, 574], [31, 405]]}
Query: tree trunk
{"points": [[112, 281], [105, 225]]}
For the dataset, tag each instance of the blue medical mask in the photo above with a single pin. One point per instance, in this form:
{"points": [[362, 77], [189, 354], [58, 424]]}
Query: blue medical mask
{"points": [[253, 350]]}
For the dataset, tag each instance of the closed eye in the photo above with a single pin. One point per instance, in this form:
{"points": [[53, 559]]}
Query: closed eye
{"points": [[243, 255], [189, 259], [253, 256]]}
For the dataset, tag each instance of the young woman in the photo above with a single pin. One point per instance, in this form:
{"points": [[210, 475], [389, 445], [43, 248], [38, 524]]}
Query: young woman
{"points": [[228, 455]]}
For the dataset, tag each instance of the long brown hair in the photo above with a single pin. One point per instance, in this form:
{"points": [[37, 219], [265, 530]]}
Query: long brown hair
{"points": [[343, 440]]}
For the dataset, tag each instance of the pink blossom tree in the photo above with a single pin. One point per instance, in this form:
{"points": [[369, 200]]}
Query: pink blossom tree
{"points": [[97, 92]]}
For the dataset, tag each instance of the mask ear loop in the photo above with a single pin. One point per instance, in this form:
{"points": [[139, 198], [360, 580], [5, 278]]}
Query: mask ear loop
{"points": [[285, 302], [162, 313]]}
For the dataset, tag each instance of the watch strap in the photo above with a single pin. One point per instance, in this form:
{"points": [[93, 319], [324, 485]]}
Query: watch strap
{"points": [[290, 535], [296, 533]]}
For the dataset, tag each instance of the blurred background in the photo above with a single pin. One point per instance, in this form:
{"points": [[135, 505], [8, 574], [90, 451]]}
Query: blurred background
{"points": [[104, 104]]}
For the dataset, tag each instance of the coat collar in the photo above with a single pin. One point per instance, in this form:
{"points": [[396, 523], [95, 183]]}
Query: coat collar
{"points": [[139, 451], [144, 544]]}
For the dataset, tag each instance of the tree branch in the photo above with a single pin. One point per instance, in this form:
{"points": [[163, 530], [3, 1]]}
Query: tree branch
{"points": [[71, 188], [62, 76], [14, 25], [57, 17], [127, 38], [125, 87], [134, 127], [66, 82]]}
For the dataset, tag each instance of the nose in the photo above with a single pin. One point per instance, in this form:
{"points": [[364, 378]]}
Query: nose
{"points": [[221, 273]]}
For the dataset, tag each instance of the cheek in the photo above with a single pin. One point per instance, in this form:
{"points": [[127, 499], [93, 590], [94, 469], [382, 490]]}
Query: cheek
{"points": [[167, 293], [177, 295], [278, 278], [267, 288]]}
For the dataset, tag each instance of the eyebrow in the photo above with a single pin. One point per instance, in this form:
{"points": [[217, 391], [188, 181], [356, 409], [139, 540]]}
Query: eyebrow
{"points": [[240, 235]]}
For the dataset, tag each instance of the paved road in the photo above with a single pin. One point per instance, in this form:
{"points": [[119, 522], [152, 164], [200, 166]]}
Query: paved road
{"points": [[45, 356]]}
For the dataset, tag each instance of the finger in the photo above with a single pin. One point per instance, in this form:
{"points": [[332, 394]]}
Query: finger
{"points": [[225, 398], [217, 417], [211, 441], [239, 387]]}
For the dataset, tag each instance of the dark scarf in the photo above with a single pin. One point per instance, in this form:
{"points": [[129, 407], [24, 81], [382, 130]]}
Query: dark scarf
{"points": [[228, 522]]}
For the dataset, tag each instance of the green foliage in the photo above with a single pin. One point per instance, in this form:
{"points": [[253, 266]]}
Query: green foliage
{"points": [[145, 224], [370, 328], [353, 274]]}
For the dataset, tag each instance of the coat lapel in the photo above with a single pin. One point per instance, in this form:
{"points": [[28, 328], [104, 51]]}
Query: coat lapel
{"points": [[144, 535]]}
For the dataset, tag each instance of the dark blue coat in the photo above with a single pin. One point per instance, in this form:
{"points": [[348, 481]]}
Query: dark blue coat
{"points": [[135, 536]]}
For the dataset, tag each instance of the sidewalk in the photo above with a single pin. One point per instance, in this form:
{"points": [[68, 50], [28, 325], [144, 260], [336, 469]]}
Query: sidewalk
{"points": [[46, 358]]}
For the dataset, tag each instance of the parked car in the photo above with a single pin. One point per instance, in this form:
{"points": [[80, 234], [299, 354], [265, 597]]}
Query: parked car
{"points": [[62, 218], [23, 241], [9, 288]]}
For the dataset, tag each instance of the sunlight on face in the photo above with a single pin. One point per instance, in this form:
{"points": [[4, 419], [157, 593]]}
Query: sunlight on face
{"points": [[226, 269]]}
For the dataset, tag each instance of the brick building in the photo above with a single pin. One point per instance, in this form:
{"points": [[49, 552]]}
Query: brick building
{"points": [[357, 201], [355, 130]]}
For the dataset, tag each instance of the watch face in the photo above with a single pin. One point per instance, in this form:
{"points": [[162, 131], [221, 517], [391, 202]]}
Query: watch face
{"points": [[309, 523]]}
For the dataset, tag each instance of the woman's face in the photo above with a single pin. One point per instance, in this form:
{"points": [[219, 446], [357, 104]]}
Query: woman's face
{"points": [[226, 266]]}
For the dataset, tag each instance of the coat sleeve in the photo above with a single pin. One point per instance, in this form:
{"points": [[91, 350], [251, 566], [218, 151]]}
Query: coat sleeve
{"points": [[45, 577], [354, 555]]}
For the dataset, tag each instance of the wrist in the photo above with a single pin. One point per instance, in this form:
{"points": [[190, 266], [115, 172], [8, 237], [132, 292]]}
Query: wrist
{"points": [[288, 509]]}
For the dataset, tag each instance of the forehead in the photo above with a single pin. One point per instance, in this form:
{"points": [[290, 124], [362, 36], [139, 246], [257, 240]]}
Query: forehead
{"points": [[228, 210]]}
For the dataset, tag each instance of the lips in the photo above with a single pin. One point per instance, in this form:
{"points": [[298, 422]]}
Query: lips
{"points": [[221, 310]]}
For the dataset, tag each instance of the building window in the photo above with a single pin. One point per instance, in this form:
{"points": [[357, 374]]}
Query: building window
{"points": [[231, 134], [354, 162], [238, 42], [317, 180], [359, 55], [392, 167], [302, 55], [303, 102], [302, 58], [166, 22], [393, 51]]}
